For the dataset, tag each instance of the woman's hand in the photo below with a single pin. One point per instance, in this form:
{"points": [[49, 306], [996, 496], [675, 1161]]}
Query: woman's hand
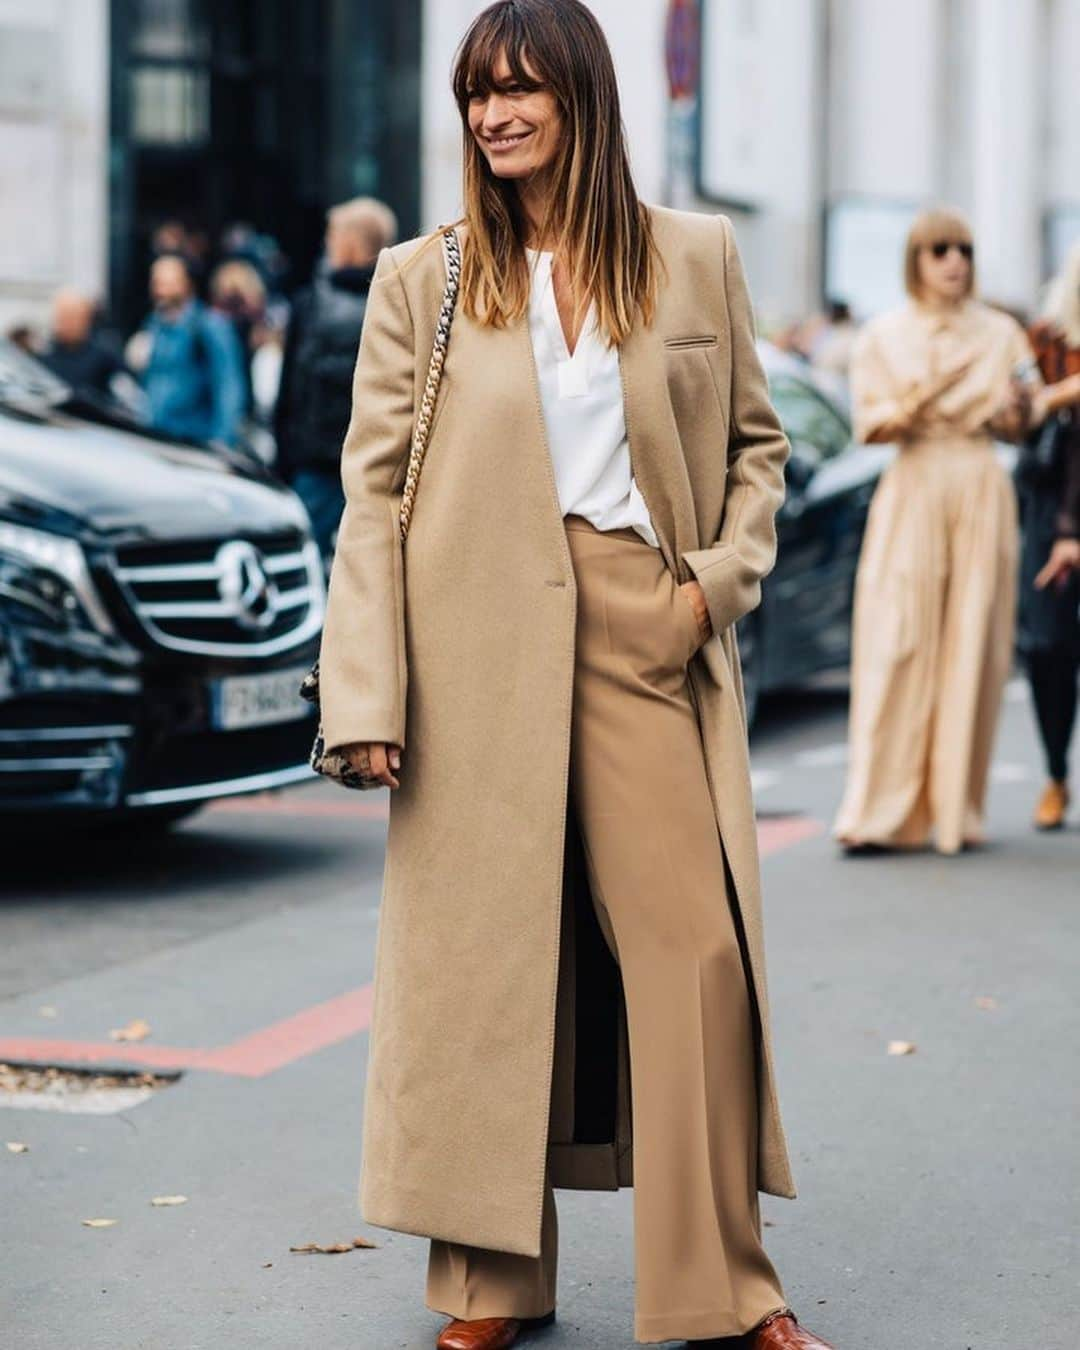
{"points": [[1064, 558], [911, 410], [1013, 419], [1051, 398], [374, 759], [696, 596]]}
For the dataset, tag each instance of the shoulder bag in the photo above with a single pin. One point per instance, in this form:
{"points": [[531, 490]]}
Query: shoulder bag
{"points": [[333, 764]]}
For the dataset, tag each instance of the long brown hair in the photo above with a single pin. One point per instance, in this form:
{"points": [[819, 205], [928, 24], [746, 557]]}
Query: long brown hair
{"points": [[594, 218]]}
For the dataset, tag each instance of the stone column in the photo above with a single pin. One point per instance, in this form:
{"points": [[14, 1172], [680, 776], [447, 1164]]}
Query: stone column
{"points": [[1009, 101]]}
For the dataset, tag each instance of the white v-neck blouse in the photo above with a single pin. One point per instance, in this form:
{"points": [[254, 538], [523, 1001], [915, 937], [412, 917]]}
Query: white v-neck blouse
{"points": [[582, 400]]}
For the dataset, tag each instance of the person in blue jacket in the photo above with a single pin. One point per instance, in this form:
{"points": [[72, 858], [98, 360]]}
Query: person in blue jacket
{"points": [[194, 377]]}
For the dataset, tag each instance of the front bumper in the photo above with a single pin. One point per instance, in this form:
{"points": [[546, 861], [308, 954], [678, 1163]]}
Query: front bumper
{"points": [[105, 730]]}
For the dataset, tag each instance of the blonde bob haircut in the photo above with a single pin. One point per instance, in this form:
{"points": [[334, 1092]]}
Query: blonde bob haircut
{"points": [[940, 225], [595, 221]]}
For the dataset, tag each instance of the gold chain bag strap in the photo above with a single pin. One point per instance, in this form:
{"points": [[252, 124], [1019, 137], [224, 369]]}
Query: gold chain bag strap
{"points": [[331, 763]]}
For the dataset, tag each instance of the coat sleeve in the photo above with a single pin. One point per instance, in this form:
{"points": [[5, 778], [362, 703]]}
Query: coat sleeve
{"points": [[362, 675], [731, 571], [879, 414]]}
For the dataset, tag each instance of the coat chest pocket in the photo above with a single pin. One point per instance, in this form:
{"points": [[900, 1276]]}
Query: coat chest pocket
{"points": [[688, 341], [699, 410]]}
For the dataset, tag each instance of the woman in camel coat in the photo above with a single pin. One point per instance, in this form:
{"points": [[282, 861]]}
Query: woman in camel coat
{"points": [[571, 884], [935, 594]]}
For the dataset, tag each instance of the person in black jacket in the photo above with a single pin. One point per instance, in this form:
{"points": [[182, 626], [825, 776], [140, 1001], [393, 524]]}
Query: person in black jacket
{"points": [[74, 351], [315, 395], [1049, 481]]}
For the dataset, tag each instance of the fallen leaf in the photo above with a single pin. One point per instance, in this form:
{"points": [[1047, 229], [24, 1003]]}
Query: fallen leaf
{"points": [[136, 1030], [334, 1248], [47, 1010], [985, 1002], [169, 1200], [100, 1223], [15, 1147], [267, 1265], [901, 1047]]}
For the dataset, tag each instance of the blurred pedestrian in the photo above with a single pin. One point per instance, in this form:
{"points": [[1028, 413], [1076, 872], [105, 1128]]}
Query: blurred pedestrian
{"points": [[75, 352], [193, 377], [936, 585], [314, 395], [1048, 476], [562, 620], [237, 293]]}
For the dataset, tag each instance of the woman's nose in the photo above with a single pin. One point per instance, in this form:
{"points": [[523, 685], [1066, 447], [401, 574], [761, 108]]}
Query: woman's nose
{"points": [[497, 112]]}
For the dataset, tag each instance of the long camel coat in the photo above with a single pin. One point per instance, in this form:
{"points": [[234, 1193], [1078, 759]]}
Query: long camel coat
{"points": [[460, 648]]}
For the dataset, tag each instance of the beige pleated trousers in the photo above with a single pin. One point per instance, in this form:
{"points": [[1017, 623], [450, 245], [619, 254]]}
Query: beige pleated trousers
{"points": [[935, 606], [656, 871]]}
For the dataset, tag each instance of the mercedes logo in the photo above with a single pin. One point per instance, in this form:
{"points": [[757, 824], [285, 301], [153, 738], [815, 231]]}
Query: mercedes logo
{"points": [[247, 591]]}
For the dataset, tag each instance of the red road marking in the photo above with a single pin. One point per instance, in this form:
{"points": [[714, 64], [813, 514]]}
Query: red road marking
{"points": [[272, 1047], [251, 1056], [773, 833], [779, 832]]}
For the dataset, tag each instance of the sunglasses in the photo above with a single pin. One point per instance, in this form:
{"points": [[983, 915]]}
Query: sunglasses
{"points": [[941, 249]]}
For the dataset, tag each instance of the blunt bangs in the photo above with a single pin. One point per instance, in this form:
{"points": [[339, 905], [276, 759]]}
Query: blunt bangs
{"points": [[490, 37]]}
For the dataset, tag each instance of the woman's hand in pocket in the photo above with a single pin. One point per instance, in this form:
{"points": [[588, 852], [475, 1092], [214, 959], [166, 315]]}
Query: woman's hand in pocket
{"points": [[375, 759], [696, 598]]}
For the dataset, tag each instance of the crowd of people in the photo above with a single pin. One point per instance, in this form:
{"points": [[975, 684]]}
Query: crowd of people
{"points": [[224, 358]]}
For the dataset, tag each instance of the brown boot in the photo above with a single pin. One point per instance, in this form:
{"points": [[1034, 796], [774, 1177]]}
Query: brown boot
{"points": [[1054, 802], [488, 1333], [781, 1331]]}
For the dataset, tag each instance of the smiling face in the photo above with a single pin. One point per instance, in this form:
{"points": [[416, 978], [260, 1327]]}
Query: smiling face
{"points": [[516, 122]]}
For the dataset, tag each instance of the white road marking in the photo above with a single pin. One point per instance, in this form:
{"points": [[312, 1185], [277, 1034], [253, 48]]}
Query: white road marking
{"points": [[104, 1103]]}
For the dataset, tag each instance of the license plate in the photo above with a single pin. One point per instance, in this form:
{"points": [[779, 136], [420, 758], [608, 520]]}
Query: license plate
{"points": [[257, 700]]}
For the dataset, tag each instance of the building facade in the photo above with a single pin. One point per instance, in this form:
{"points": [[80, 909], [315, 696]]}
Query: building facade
{"points": [[118, 115], [820, 126]]}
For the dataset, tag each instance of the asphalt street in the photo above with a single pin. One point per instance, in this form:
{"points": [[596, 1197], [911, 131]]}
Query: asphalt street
{"points": [[939, 1190]]}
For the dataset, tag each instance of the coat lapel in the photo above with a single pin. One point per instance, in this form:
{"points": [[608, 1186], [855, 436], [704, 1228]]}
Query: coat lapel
{"points": [[655, 456]]}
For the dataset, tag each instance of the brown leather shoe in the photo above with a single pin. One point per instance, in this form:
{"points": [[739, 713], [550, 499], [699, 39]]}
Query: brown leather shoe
{"points": [[488, 1333], [1054, 802], [781, 1331]]}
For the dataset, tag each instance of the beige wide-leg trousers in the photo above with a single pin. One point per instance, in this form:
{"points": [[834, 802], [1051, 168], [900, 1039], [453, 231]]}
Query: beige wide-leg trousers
{"points": [[935, 607], [656, 871]]}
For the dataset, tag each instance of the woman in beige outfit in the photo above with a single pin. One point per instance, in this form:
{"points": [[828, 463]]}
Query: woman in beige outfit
{"points": [[935, 594], [569, 985]]}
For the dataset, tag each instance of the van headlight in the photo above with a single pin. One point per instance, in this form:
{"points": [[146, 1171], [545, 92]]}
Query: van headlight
{"points": [[44, 579]]}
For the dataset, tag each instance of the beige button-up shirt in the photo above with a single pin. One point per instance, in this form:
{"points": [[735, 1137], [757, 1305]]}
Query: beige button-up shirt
{"points": [[899, 354]]}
